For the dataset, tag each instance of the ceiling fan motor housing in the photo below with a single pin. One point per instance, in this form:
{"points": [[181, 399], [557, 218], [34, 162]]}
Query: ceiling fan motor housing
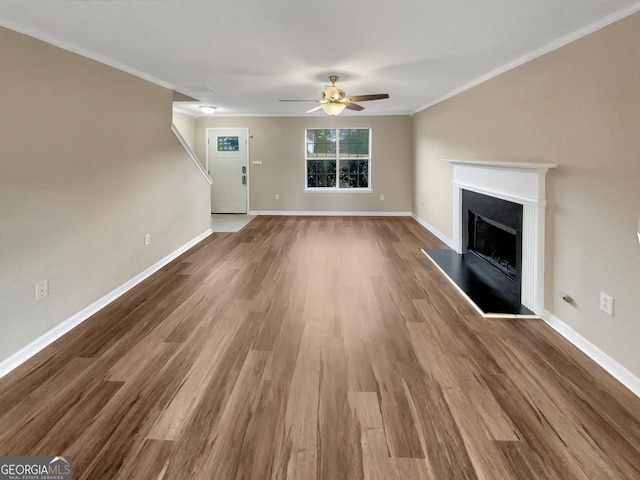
{"points": [[333, 93]]}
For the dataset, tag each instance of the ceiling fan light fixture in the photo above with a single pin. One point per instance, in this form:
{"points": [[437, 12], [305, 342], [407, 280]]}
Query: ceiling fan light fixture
{"points": [[333, 108], [207, 109], [334, 100], [332, 93]]}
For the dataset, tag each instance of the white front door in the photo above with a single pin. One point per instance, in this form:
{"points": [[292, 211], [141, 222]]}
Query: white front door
{"points": [[227, 165]]}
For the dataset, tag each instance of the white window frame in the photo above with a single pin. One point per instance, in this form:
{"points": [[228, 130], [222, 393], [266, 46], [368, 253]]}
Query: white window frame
{"points": [[337, 188]]}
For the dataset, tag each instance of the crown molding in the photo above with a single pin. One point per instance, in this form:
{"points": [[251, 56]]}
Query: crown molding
{"points": [[539, 52]]}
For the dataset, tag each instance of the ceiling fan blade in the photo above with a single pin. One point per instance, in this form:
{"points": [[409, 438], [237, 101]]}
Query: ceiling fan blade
{"points": [[314, 109], [354, 106], [298, 100], [364, 98]]}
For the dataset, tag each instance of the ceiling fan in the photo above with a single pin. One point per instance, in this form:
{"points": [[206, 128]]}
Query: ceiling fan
{"points": [[334, 100]]}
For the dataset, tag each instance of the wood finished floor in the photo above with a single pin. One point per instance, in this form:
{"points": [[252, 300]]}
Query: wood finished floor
{"points": [[316, 348]]}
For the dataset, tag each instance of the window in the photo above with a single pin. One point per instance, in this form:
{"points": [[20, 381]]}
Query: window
{"points": [[338, 158], [228, 144]]}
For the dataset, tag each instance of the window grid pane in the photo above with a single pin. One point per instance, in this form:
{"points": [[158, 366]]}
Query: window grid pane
{"points": [[321, 143], [354, 142], [337, 158], [354, 173], [321, 173], [228, 144]]}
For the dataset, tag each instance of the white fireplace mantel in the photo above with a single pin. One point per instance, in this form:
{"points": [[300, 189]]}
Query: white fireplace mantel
{"points": [[522, 183]]}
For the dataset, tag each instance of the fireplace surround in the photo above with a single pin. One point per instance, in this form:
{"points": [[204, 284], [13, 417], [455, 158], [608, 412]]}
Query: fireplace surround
{"points": [[520, 184]]}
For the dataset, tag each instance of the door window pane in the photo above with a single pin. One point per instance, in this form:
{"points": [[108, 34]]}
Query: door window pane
{"points": [[228, 144]]}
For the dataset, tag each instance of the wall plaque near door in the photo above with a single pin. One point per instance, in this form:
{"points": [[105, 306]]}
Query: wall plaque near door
{"points": [[228, 144]]}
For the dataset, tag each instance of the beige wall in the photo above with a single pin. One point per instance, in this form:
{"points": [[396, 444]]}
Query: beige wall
{"points": [[186, 125], [579, 107], [279, 142], [88, 166]]}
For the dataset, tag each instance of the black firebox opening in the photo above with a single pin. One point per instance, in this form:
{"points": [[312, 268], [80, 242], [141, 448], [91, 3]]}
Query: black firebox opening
{"points": [[494, 243], [489, 269]]}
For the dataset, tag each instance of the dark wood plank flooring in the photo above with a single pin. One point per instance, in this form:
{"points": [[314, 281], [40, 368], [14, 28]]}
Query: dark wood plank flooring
{"points": [[316, 348]]}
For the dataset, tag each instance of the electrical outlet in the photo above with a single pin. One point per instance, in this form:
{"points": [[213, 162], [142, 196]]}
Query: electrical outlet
{"points": [[42, 289], [382, 196], [147, 239], [277, 196], [606, 303]]}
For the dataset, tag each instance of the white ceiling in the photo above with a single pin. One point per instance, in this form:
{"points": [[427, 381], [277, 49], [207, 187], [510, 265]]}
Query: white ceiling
{"points": [[244, 55]]}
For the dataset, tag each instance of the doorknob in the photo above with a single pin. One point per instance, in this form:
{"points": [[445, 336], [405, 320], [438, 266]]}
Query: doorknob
{"points": [[244, 169]]}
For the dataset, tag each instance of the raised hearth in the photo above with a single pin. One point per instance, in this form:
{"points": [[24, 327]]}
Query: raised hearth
{"points": [[486, 291]]}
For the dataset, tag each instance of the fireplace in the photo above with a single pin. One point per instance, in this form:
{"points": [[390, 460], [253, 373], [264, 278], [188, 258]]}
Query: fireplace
{"points": [[492, 234], [498, 227], [494, 243]]}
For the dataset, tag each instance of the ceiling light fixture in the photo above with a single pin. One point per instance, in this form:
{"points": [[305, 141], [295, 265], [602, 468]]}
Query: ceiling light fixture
{"points": [[207, 108], [333, 108]]}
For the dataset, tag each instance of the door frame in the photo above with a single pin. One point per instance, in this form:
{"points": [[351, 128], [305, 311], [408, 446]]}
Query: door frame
{"points": [[210, 132]]}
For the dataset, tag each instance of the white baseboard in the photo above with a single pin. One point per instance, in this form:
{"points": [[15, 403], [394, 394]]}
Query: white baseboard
{"points": [[619, 372], [441, 236], [328, 213], [59, 330]]}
